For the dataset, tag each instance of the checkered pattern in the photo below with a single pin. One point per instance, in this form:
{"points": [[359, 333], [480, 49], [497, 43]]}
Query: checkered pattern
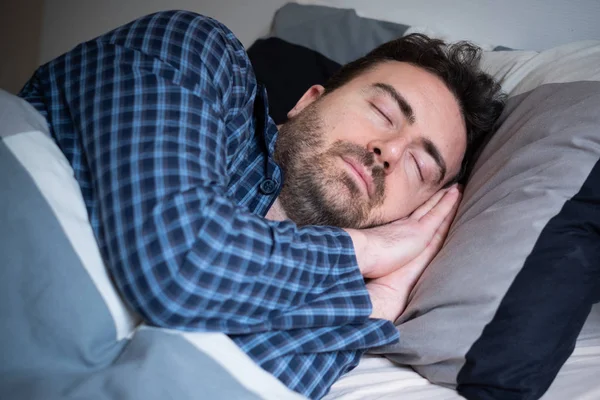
{"points": [[168, 134]]}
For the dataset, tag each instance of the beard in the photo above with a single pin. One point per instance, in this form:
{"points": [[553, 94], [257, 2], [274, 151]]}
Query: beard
{"points": [[317, 190]]}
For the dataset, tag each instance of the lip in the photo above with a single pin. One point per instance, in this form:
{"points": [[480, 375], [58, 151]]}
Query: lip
{"points": [[361, 173]]}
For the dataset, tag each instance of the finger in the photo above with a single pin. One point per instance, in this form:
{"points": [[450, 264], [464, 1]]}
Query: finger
{"points": [[434, 218], [436, 243], [442, 232], [428, 205]]}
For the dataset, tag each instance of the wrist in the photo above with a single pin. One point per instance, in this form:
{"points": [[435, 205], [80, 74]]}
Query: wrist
{"points": [[383, 301], [359, 242]]}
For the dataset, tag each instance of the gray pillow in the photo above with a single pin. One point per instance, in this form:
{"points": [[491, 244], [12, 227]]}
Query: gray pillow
{"points": [[338, 34], [499, 310]]}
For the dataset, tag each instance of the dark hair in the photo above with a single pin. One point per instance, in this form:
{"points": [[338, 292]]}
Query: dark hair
{"points": [[479, 96]]}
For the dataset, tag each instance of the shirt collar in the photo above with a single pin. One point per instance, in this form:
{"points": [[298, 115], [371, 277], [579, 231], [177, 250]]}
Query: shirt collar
{"points": [[270, 131]]}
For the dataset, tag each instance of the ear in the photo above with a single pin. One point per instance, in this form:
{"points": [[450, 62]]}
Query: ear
{"points": [[312, 94]]}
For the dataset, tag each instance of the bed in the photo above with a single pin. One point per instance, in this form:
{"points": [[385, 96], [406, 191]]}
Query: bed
{"points": [[381, 379], [508, 310]]}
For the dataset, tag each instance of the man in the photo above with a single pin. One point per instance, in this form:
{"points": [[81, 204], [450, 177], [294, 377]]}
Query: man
{"points": [[211, 218]]}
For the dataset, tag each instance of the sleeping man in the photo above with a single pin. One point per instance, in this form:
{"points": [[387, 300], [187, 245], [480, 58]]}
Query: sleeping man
{"points": [[300, 242]]}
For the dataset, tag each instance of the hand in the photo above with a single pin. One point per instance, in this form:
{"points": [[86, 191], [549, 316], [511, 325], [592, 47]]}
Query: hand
{"points": [[389, 293], [384, 249]]}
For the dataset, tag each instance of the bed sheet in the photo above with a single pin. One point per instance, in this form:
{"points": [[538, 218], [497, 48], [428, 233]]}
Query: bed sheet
{"points": [[378, 378]]}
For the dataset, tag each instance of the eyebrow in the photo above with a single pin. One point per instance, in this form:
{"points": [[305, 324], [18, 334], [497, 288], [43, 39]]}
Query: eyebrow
{"points": [[434, 152], [404, 106]]}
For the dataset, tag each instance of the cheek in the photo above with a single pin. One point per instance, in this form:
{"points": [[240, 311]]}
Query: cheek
{"points": [[348, 128], [399, 200]]}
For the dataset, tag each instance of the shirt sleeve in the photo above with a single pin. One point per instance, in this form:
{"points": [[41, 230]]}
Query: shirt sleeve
{"points": [[309, 361], [154, 102]]}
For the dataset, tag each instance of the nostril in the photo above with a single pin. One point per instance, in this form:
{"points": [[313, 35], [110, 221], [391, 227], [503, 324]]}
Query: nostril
{"points": [[377, 151], [386, 165]]}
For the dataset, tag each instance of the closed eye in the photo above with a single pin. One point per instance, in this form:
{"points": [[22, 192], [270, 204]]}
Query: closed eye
{"points": [[382, 114], [418, 168]]}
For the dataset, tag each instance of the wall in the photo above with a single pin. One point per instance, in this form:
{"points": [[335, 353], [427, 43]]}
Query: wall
{"points": [[522, 24], [526, 24], [20, 29], [68, 22]]}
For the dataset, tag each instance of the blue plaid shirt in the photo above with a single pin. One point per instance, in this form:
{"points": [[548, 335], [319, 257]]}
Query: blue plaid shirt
{"points": [[169, 137]]}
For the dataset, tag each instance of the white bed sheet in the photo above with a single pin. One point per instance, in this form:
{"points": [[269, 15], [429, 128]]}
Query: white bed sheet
{"points": [[377, 378]]}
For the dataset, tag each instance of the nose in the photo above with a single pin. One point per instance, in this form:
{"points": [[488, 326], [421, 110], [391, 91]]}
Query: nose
{"points": [[387, 152]]}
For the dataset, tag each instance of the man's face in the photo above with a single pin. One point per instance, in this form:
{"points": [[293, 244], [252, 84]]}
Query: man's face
{"points": [[371, 151]]}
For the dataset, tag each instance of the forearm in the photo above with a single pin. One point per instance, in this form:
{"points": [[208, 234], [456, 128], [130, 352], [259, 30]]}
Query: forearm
{"points": [[364, 260], [239, 273]]}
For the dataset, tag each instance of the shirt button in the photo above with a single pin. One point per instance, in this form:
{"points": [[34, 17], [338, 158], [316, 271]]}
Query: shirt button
{"points": [[268, 186]]}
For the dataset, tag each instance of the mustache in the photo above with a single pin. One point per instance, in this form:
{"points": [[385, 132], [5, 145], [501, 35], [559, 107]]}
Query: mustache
{"points": [[367, 158]]}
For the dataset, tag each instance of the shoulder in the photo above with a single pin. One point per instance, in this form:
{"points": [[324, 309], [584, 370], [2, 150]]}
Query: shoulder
{"points": [[199, 47], [178, 36]]}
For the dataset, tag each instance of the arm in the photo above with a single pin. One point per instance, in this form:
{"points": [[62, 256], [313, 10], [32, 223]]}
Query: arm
{"points": [[156, 139]]}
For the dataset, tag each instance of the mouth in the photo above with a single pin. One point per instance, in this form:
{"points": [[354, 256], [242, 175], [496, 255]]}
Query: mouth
{"points": [[360, 174]]}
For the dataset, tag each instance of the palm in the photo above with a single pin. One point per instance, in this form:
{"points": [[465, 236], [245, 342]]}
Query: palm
{"points": [[390, 292]]}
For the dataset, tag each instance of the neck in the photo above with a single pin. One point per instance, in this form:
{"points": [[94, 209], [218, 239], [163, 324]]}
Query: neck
{"points": [[276, 212]]}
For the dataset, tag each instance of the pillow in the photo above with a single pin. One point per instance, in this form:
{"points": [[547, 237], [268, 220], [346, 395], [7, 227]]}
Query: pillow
{"points": [[499, 310], [337, 33], [287, 71], [66, 332], [307, 44]]}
